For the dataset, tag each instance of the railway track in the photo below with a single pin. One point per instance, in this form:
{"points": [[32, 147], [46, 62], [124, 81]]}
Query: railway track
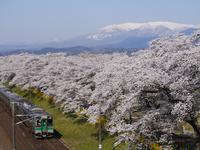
{"points": [[24, 137]]}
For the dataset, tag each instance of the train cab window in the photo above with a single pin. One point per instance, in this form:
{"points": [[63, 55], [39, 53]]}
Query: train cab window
{"points": [[38, 123], [49, 122]]}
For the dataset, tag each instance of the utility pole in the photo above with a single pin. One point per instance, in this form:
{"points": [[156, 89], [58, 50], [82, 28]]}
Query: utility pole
{"points": [[13, 126], [100, 140]]}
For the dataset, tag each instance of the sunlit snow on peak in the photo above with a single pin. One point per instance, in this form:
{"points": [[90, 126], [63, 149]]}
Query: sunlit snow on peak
{"points": [[150, 25], [148, 28]]}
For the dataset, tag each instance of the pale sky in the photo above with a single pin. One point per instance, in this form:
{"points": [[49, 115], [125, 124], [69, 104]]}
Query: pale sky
{"points": [[39, 21]]}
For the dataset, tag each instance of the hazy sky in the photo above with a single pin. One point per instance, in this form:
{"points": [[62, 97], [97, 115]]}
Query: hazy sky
{"points": [[37, 21]]}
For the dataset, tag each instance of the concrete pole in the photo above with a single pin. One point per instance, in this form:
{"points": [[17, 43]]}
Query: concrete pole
{"points": [[13, 126], [100, 140]]}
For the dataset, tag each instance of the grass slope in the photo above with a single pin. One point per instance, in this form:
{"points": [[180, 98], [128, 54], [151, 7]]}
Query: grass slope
{"points": [[78, 136]]}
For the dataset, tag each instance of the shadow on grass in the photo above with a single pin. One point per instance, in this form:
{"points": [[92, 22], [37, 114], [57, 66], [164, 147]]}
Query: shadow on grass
{"points": [[104, 134], [80, 120], [71, 115], [57, 134], [76, 118]]}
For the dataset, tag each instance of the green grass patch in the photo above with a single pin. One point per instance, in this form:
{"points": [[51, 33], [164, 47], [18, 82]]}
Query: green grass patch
{"points": [[75, 131]]}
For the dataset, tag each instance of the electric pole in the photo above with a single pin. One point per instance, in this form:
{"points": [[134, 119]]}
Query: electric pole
{"points": [[13, 125], [100, 140]]}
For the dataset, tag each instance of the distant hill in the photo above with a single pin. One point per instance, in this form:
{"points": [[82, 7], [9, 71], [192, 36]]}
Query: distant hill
{"points": [[70, 50], [126, 36]]}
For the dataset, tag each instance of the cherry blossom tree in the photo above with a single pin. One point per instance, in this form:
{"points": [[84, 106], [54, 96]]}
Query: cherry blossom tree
{"points": [[144, 95]]}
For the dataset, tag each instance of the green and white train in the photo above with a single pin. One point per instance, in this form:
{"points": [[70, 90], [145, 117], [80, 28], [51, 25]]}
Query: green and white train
{"points": [[40, 122]]}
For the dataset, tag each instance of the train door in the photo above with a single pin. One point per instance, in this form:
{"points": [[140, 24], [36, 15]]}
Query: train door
{"points": [[44, 128], [37, 127]]}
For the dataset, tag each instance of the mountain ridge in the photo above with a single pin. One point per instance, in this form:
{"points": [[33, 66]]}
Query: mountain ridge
{"points": [[118, 35], [125, 35]]}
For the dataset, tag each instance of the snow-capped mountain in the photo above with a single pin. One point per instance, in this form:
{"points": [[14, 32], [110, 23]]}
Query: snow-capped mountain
{"points": [[126, 35], [149, 28], [136, 35]]}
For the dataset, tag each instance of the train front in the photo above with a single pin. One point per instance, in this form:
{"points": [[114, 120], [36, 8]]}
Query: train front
{"points": [[43, 126]]}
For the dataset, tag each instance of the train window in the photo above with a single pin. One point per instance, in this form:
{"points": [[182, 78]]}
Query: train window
{"points": [[38, 122], [49, 122]]}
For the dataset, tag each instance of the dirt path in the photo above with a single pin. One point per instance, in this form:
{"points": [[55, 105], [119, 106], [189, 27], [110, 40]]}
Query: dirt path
{"points": [[24, 138]]}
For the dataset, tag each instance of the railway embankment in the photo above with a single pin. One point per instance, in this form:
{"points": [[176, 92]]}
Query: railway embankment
{"points": [[72, 129], [23, 137]]}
